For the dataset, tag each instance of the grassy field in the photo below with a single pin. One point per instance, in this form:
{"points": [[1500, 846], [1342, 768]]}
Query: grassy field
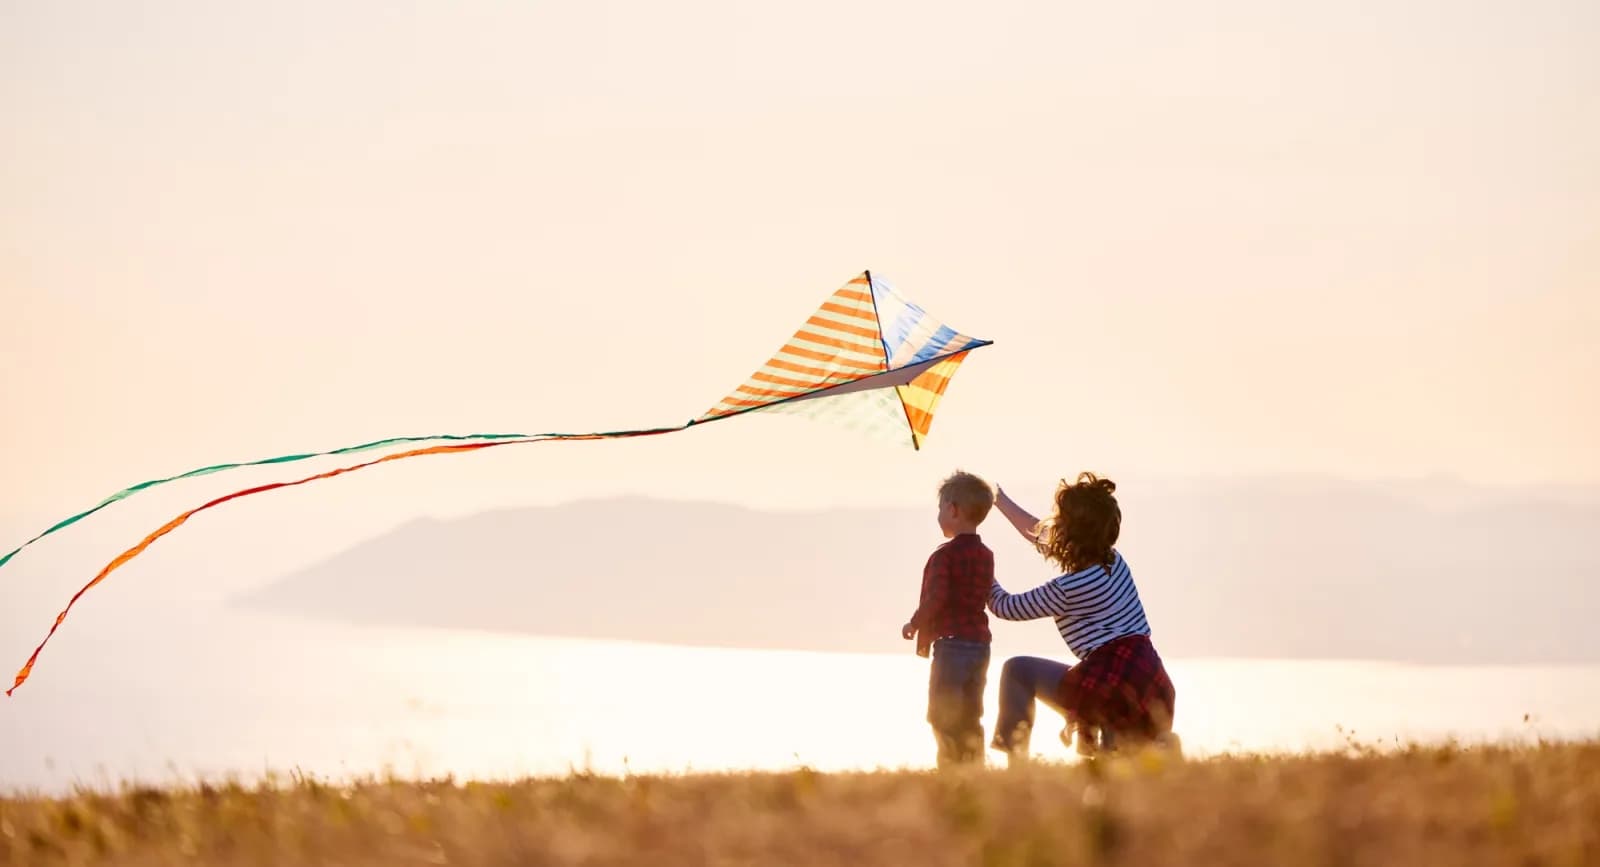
{"points": [[1423, 805]]}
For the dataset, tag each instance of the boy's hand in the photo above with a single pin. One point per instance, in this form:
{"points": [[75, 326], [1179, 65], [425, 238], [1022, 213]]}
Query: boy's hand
{"points": [[908, 631]]}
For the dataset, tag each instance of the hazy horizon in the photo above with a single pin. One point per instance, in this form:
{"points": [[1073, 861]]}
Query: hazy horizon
{"points": [[1238, 568]]}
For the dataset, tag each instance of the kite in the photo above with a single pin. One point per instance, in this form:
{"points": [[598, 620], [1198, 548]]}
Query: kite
{"points": [[867, 358]]}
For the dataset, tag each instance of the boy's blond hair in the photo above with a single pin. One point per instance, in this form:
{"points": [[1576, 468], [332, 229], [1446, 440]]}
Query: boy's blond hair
{"points": [[972, 495]]}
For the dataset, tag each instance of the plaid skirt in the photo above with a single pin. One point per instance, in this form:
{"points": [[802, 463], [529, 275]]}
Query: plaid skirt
{"points": [[1121, 687]]}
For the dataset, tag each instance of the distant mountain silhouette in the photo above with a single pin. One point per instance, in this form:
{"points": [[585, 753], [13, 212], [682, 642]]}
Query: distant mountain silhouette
{"points": [[1258, 570]]}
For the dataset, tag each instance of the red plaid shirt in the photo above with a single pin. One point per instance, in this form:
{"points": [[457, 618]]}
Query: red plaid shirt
{"points": [[955, 590]]}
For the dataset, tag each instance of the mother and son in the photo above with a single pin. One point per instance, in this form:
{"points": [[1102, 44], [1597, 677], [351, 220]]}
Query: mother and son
{"points": [[1118, 694]]}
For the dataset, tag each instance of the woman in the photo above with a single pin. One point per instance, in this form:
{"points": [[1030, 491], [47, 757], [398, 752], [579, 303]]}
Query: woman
{"points": [[1119, 688]]}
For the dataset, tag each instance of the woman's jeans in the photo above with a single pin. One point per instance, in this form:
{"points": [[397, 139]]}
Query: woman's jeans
{"points": [[1023, 679]]}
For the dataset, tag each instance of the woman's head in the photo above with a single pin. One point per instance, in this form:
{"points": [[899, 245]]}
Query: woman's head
{"points": [[1085, 525]]}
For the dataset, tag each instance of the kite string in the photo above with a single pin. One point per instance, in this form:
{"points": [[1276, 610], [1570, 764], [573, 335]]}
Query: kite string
{"points": [[180, 520], [280, 459]]}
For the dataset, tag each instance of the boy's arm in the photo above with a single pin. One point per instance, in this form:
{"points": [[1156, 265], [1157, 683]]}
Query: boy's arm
{"points": [[922, 600], [1019, 517], [913, 625], [935, 589]]}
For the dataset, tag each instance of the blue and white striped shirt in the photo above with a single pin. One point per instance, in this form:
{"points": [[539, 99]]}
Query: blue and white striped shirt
{"points": [[1091, 606]]}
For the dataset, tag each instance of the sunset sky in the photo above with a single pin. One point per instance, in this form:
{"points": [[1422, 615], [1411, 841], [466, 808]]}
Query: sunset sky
{"points": [[1348, 239]]}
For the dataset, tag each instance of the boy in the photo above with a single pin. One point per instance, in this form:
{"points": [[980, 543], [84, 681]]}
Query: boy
{"points": [[951, 621]]}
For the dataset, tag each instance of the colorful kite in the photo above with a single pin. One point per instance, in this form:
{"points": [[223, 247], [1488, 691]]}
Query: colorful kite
{"points": [[867, 358]]}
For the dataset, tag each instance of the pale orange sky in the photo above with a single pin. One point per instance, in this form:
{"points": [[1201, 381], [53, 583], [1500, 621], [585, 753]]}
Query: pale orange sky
{"points": [[1360, 240]]}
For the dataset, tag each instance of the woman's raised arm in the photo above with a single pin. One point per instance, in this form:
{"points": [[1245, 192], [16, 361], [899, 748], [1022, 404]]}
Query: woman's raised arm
{"points": [[1025, 523]]}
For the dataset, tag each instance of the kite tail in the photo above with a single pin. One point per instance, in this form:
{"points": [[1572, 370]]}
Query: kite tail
{"points": [[175, 523], [280, 459]]}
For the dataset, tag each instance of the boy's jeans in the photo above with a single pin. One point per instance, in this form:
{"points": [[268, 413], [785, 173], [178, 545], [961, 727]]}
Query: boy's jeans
{"points": [[955, 698]]}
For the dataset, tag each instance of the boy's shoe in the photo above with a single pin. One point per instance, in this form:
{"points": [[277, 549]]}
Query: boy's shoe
{"points": [[958, 750]]}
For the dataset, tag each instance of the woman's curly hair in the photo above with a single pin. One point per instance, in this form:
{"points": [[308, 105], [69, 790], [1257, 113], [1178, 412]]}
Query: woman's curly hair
{"points": [[1085, 525]]}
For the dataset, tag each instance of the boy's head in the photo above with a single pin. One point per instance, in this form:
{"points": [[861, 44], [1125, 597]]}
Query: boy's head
{"points": [[964, 501]]}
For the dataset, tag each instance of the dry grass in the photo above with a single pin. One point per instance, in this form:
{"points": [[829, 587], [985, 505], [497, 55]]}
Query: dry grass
{"points": [[1424, 805]]}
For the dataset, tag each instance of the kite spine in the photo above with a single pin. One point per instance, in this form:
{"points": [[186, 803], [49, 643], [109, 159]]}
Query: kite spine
{"points": [[877, 315]]}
